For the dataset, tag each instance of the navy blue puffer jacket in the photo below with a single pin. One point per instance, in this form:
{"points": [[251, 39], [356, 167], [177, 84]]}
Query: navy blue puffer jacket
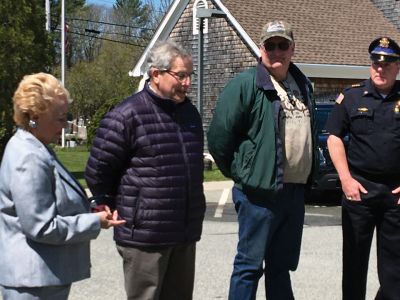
{"points": [[148, 156]]}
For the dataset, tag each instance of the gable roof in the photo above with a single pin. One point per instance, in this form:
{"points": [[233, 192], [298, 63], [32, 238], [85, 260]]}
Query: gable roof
{"points": [[390, 9], [326, 32], [332, 37], [164, 29]]}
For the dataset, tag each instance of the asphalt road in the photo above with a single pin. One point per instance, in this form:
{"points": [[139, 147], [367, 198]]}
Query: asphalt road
{"points": [[318, 275]]}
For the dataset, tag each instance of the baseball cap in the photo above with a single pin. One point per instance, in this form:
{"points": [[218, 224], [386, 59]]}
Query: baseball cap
{"points": [[276, 28]]}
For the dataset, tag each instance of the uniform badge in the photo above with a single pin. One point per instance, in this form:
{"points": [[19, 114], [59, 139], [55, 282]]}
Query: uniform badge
{"points": [[340, 98], [397, 107], [362, 109], [384, 42], [356, 85]]}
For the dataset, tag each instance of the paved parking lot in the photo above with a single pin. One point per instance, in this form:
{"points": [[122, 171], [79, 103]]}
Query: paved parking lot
{"points": [[318, 275]]}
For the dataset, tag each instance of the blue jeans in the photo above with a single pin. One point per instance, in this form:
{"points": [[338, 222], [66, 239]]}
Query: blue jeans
{"points": [[270, 230]]}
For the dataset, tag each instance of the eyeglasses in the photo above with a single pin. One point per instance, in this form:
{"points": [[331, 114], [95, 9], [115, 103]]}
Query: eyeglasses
{"points": [[181, 76], [284, 46]]}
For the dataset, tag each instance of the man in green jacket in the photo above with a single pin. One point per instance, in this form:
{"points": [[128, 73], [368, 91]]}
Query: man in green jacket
{"points": [[262, 136]]}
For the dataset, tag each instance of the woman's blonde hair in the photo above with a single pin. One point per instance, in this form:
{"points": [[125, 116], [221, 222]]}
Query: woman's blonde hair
{"points": [[34, 95]]}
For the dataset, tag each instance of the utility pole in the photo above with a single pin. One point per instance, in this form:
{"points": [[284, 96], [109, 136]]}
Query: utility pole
{"points": [[63, 59], [47, 10], [47, 7], [62, 41]]}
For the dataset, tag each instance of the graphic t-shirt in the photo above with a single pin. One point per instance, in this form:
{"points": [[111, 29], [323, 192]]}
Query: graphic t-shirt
{"points": [[295, 132]]}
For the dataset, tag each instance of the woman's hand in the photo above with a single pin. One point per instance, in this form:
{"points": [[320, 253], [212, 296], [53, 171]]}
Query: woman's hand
{"points": [[108, 219]]}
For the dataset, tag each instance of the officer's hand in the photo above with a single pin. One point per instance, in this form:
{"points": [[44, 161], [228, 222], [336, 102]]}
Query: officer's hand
{"points": [[396, 191], [352, 188]]}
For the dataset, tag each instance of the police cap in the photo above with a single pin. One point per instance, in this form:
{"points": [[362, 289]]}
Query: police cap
{"points": [[384, 49]]}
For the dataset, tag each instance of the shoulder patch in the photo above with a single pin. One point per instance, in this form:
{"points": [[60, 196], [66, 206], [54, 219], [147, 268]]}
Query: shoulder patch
{"points": [[340, 98], [356, 85]]}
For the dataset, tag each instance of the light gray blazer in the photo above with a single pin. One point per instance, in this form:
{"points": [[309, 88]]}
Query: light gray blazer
{"points": [[45, 227]]}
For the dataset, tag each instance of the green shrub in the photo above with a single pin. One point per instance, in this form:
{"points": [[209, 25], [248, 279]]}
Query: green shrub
{"points": [[94, 121]]}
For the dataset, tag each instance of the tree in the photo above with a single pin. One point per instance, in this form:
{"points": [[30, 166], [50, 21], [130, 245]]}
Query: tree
{"points": [[26, 48], [158, 8], [94, 80], [71, 7], [135, 16], [100, 73], [93, 83], [85, 28]]}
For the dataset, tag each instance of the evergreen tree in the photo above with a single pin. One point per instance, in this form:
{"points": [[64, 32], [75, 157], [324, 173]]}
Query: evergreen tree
{"points": [[135, 15], [25, 48]]}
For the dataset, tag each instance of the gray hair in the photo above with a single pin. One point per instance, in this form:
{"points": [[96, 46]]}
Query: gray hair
{"points": [[163, 54]]}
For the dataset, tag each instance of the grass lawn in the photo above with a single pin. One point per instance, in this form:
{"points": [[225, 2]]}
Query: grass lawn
{"points": [[74, 159]]}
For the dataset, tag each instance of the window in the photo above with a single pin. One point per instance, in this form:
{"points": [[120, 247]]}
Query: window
{"points": [[199, 4]]}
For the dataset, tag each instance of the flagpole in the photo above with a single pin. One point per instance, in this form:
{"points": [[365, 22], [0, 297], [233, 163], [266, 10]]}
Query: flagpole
{"points": [[63, 59]]}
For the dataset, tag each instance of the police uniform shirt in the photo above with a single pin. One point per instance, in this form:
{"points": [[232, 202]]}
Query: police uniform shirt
{"points": [[373, 125]]}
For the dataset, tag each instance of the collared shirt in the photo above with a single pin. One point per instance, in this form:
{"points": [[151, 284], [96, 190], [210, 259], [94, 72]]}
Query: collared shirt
{"points": [[373, 125]]}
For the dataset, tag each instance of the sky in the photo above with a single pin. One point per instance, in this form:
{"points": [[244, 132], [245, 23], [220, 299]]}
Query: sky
{"points": [[103, 2]]}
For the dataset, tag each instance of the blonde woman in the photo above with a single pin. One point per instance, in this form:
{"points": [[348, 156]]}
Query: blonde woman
{"points": [[45, 224]]}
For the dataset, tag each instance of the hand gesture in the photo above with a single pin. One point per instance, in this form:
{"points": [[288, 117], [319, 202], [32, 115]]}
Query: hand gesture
{"points": [[108, 219]]}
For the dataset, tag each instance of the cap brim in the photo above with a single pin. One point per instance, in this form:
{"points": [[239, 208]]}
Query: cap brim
{"points": [[383, 58], [285, 36]]}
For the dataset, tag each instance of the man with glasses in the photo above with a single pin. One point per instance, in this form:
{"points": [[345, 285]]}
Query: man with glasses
{"points": [[147, 162], [262, 136], [369, 113]]}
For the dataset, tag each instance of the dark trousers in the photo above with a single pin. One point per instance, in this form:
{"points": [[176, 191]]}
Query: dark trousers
{"points": [[270, 232], [162, 273], [377, 210]]}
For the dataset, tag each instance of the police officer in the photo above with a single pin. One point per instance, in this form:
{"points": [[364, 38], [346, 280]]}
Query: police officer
{"points": [[369, 113]]}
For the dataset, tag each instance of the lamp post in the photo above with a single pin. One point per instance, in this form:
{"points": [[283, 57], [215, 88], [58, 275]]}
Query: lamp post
{"points": [[203, 13]]}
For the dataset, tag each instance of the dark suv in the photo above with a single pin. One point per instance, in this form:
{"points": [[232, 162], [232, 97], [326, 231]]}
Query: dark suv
{"points": [[327, 182]]}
